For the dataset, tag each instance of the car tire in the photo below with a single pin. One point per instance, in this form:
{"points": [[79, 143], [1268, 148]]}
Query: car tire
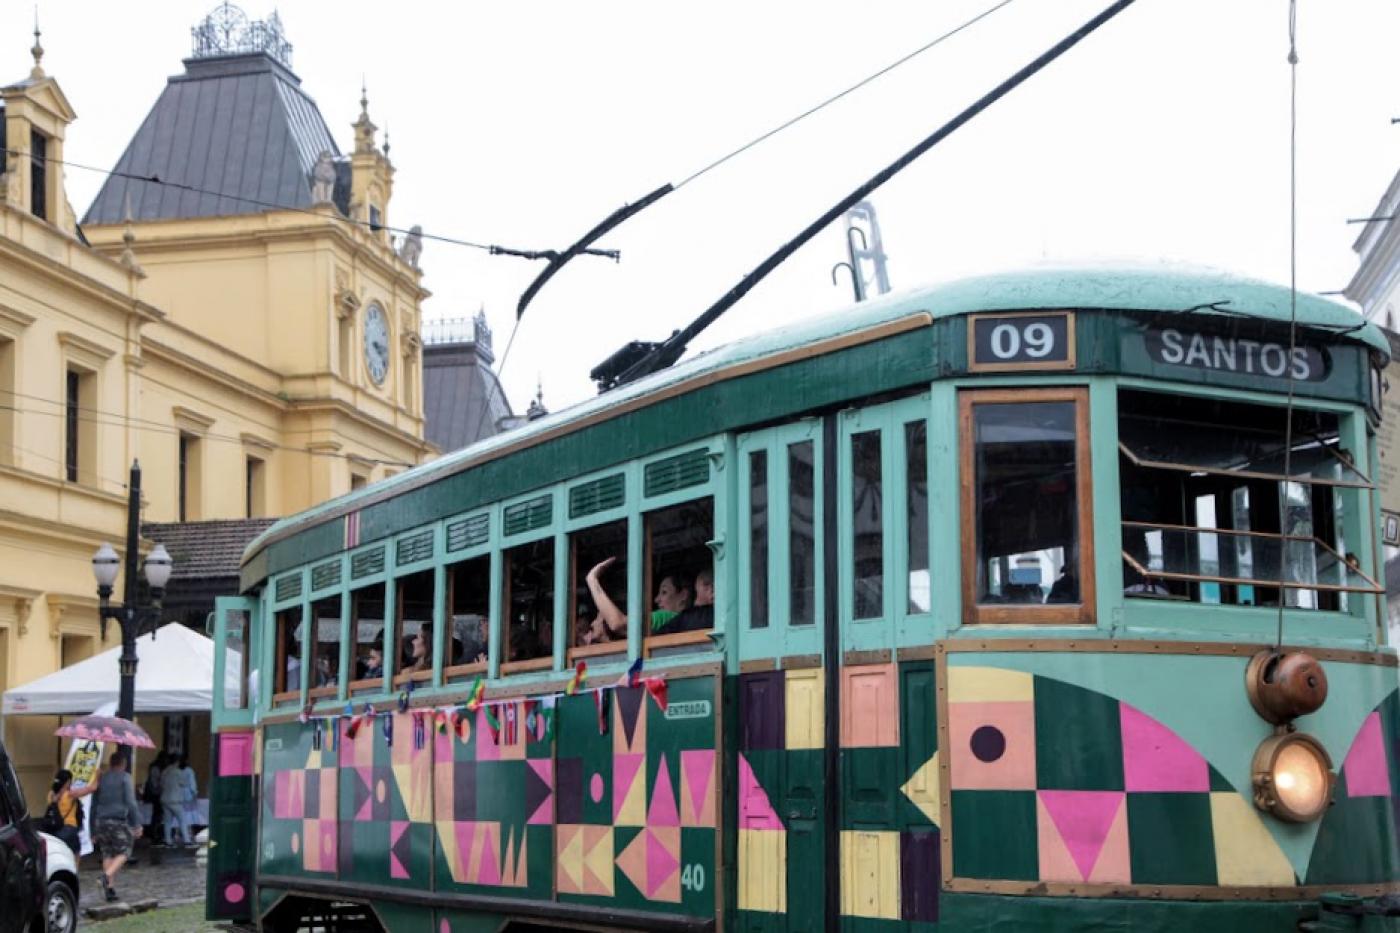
{"points": [[61, 908]]}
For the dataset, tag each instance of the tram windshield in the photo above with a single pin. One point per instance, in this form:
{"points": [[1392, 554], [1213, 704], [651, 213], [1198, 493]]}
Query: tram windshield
{"points": [[1225, 502]]}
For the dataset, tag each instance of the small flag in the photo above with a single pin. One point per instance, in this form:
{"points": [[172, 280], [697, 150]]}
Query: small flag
{"points": [[335, 734], [512, 733], [352, 728], [633, 676], [532, 720], [602, 699], [387, 720], [305, 715], [316, 734], [656, 686], [459, 723], [475, 694], [577, 681], [403, 699], [440, 719], [493, 724], [419, 731], [548, 711]]}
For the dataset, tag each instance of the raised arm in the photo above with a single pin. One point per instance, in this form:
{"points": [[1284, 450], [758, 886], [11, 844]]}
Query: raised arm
{"points": [[614, 618]]}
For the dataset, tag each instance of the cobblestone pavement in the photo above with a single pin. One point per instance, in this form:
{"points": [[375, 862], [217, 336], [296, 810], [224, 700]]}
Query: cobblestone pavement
{"points": [[178, 879]]}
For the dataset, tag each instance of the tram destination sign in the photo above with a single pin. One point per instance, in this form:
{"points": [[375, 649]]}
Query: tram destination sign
{"points": [[1240, 356], [1020, 341]]}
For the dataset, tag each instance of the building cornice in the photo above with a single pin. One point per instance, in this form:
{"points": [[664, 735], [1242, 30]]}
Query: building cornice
{"points": [[186, 234], [339, 407], [64, 275], [169, 354]]}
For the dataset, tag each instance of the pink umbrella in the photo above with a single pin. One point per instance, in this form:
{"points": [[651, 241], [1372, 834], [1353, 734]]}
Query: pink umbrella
{"points": [[107, 729]]}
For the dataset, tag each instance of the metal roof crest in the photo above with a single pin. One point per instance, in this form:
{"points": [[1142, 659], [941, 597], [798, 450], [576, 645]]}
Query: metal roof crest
{"points": [[228, 31]]}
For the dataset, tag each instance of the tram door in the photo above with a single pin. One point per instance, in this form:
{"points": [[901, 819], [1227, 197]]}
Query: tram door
{"points": [[781, 686], [232, 791]]}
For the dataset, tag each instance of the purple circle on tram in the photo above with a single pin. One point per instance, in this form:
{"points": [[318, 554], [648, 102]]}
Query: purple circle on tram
{"points": [[988, 743]]}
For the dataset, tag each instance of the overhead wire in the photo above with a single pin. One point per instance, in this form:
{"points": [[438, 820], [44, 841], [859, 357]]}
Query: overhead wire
{"points": [[840, 94]]}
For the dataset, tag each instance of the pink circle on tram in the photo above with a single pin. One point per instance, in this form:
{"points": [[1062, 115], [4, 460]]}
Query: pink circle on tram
{"points": [[234, 893], [595, 788]]}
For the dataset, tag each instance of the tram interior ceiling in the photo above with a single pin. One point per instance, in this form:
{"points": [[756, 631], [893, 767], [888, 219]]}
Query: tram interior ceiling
{"points": [[1210, 516]]}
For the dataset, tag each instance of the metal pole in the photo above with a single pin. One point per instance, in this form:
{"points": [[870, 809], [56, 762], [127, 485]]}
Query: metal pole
{"points": [[126, 701]]}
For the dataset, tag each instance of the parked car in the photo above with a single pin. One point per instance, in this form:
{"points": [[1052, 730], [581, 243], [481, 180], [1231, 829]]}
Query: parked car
{"points": [[22, 859], [61, 904]]}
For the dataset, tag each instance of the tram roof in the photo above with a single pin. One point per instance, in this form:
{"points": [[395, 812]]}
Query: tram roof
{"points": [[1204, 291]]}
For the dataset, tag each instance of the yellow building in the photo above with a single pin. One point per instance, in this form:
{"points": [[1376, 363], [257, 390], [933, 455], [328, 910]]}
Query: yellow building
{"points": [[247, 328]]}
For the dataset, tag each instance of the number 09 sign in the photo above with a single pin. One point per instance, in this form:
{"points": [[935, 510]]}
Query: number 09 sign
{"points": [[1021, 341]]}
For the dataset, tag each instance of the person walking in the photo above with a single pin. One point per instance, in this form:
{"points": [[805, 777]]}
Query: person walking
{"points": [[64, 800], [116, 819], [172, 801]]}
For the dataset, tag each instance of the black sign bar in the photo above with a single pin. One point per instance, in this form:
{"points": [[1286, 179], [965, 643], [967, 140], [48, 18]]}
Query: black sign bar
{"points": [[1237, 355], [1020, 341]]}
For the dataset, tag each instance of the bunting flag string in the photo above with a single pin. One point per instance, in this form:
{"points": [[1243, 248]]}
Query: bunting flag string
{"points": [[504, 719], [602, 699], [577, 681]]}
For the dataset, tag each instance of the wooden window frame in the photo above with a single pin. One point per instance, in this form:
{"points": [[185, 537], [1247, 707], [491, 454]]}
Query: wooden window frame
{"points": [[452, 671], [650, 641], [546, 662], [1082, 613]]}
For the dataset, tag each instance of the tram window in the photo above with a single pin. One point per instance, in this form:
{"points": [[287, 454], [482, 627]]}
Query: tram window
{"points": [[867, 526], [678, 569], [598, 603], [367, 621], [1209, 515], [758, 539], [1030, 553], [916, 488], [288, 652], [469, 605], [802, 533], [236, 658], [529, 596], [325, 652], [413, 626]]}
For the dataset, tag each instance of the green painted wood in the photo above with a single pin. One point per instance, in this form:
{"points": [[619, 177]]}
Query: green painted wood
{"points": [[1078, 743], [673, 474], [469, 532], [414, 548], [1126, 915], [528, 516], [599, 495], [1000, 839], [233, 822], [367, 563], [1171, 840], [326, 575], [288, 587]]}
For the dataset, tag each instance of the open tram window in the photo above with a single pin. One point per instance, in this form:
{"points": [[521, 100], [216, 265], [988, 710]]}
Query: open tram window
{"points": [[287, 660], [413, 627], [367, 617], [469, 607], [680, 576], [598, 600], [1026, 492], [1210, 516], [529, 602], [325, 651]]}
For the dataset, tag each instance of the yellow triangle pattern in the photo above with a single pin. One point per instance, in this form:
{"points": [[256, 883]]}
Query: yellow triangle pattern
{"points": [[923, 789], [571, 858], [633, 811], [600, 857]]}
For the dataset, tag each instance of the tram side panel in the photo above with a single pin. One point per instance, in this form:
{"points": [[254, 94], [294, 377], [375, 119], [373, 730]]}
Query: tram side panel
{"points": [[608, 799]]}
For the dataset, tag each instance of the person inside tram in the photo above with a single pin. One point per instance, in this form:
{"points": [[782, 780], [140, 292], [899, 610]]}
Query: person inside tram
{"points": [[672, 598], [420, 651], [1066, 588], [701, 615]]}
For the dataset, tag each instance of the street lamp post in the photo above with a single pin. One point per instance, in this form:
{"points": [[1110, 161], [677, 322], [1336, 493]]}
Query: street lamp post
{"points": [[129, 614]]}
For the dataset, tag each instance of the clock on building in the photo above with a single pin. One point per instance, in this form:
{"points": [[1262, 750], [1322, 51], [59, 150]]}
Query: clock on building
{"points": [[376, 343]]}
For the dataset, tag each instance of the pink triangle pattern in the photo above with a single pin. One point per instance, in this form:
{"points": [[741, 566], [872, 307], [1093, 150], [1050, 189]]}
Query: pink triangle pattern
{"points": [[397, 869], [755, 810], [1083, 818], [698, 766], [490, 871], [663, 800], [1365, 767], [625, 769], [1156, 759], [662, 865]]}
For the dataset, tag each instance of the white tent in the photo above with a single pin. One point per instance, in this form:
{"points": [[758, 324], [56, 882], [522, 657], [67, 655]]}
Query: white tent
{"points": [[174, 674]]}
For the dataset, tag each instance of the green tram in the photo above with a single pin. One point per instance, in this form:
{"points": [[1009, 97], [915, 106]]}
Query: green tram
{"points": [[1038, 601]]}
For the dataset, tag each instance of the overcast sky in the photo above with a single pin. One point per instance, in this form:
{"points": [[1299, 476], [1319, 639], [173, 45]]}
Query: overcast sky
{"points": [[1163, 136]]}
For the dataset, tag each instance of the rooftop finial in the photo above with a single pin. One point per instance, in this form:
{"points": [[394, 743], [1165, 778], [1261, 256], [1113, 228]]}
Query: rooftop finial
{"points": [[386, 139], [364, 127], [38, 50]]}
